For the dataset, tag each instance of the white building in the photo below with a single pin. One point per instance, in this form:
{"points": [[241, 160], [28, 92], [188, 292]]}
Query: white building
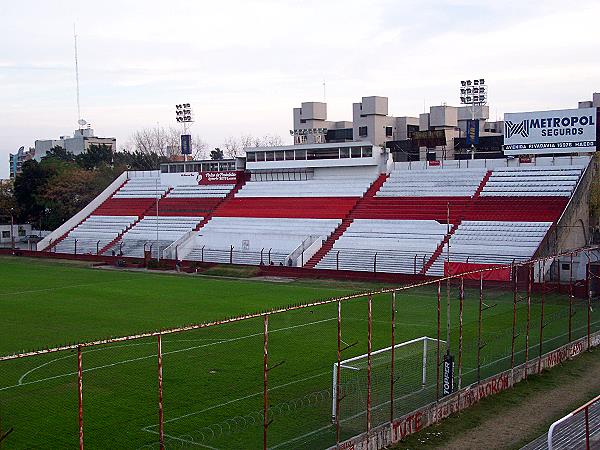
{"points": [[78, 143]]}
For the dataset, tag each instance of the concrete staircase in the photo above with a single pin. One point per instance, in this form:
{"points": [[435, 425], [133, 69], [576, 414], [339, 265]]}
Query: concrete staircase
{"points": [[346, 222], [230, 195]]}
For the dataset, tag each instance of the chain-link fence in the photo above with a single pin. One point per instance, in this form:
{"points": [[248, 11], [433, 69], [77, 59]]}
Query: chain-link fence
{"points": [[303, 376]]}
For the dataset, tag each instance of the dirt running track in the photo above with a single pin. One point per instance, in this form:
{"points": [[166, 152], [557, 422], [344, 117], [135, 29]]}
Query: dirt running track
{"points": [[507, 430]]}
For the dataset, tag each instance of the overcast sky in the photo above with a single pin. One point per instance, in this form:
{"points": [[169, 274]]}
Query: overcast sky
{"points": [[245, 64]]}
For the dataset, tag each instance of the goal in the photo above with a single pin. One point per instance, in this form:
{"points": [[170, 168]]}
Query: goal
{"points": [[414, 370]]}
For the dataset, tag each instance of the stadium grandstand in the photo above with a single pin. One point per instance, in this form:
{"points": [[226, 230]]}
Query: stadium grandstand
{"points": [[333, 207]]}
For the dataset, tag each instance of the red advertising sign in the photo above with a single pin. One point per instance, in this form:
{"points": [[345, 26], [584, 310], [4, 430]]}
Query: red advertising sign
{"points": [[224, 177], [434, 163]]}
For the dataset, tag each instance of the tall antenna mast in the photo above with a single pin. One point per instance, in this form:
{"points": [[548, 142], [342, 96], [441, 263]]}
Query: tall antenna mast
{"points": [[324, 92], [79, 120]]}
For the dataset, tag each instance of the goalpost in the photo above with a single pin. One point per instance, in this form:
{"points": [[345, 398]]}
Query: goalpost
{"points": [[413, 369]]}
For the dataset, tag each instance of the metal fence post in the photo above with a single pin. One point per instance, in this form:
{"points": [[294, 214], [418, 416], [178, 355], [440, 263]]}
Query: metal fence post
{"points": [[479, 324], [514, 321], [369, 362], [231, 254], [437, 373], [543, 294], [571, 298], [392, 373], [375, 263], [587, 428], [75, 246], [98, 247], [265, 380], [338, 373], [161, 429], [80, 395], [337, 260], [529, 289], [460, 331], [589, 302]]}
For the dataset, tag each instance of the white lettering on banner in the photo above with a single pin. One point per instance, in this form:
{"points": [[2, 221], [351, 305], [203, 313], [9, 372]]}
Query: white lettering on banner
{"points": [[560, 131], [229, 177]]}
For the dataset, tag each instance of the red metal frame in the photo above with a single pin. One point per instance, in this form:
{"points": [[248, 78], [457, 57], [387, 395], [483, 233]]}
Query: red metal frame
{"points": [[514, 323], [479, 327], [338, 375], [392, 365], [529, 289], [265, 380], [369, 348], [460, 332], [161, 421], [80, 395], [437, 376], [543, 295]]}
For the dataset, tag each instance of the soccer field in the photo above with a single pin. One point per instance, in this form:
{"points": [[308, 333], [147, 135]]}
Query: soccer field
{"points": [[213, 377]]}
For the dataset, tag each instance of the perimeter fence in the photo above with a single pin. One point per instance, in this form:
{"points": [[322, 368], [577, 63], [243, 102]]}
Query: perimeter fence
{"points": [[303, 376]]}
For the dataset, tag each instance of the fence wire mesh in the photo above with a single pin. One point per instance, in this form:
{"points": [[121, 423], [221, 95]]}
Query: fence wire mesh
{"points": [[271, 379]]}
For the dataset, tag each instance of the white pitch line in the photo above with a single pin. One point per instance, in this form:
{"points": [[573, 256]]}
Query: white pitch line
{"points": [[32, 291], [168, 353], [185, 441]]}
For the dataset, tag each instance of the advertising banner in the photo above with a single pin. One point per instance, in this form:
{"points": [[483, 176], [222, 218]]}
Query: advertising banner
{"points": [[224, 177], [472, 132], [560, 131], [186, 144], [448, 375]]}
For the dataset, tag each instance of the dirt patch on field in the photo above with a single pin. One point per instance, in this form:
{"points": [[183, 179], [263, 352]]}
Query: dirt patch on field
{"points": [[536, 410]]}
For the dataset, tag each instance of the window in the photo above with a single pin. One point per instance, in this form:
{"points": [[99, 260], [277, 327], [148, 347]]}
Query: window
{"points": [[564, 266], [269, 156], [251, 157], [388, 131], [6, 234], [344, 152], [164, 169], [362, 131], [21, 232], [326, 153], [289, 155], [301, 154], [367, 152], [179, 168], [302, 120], [355, 152], [279, 155], [260, 156]]}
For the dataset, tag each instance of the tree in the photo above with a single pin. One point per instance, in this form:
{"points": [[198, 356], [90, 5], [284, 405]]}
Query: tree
{"points": [[164, 142], [95, 157], [29, 187], [216, 154], [8, 202], [235, 146]]}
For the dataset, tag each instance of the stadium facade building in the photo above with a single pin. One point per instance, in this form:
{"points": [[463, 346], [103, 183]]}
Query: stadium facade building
{"points": [[354, 207], [78, 143]]}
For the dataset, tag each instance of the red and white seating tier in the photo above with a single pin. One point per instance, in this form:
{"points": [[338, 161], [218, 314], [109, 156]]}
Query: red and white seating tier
{"points": [[496, 215]]}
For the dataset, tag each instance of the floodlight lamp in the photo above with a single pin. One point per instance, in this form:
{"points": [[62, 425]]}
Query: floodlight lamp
{"points": [[481, 90], [469, 82], [476, 82], [463, 83], [469, 99], [481, 81], [475, 90], [462, 99], [475, 98], [462, 91]]}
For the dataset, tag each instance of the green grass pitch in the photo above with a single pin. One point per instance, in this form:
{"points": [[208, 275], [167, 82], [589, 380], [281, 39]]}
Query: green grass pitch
{"points": [[213, 379]]}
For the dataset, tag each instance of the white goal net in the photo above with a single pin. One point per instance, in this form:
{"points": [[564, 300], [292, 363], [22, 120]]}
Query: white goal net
{"points": [[414, 372]]}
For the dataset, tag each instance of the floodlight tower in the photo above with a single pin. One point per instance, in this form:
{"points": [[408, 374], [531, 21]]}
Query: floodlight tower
{"points": [[473, 92], [184, 116]]}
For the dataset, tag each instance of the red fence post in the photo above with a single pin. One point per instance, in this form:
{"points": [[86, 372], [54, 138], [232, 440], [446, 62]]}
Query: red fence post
{"points": [[543, 294], [161, 424], [514, 322], [80, 395], [460, 331], [479, 325], [571, 298], [437, 374], [529, 288], [392, 373], [369, 344], [589, 303], [338, 374], [265, 380]]}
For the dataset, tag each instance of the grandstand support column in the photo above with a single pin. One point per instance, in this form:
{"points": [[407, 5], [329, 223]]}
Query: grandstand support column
{"points": [[571, 298], [161, 424], [338, 373], [80, 395], [514, 321], [265, 379], [369, 348], [529, 289], [460, 331], [479, 327], [437, 366], [75, 249], [392, 372], [542, 295]]}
